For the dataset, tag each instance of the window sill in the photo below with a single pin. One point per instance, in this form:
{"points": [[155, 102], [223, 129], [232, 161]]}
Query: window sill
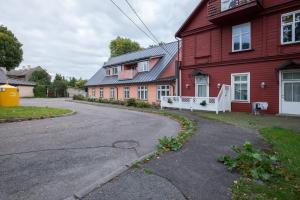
{"points": [[236, 101], [241, 51], [290, 44]]}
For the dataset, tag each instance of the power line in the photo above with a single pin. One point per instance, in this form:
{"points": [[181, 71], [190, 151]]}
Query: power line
{"points": [[120, 9], [151, 33]]}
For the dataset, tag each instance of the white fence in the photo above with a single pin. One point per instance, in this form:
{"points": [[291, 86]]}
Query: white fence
{"points": [[220, 103]]}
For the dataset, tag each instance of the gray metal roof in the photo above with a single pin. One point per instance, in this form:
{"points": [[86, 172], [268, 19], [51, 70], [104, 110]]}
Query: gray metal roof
{"points": [[11, 81], [100, 77]]}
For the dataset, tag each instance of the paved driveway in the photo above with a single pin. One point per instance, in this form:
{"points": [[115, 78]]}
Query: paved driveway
{"points": [[53, 158]]}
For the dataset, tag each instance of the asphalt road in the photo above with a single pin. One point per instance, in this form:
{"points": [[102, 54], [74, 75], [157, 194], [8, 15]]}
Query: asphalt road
{"points": [[54, 158]]}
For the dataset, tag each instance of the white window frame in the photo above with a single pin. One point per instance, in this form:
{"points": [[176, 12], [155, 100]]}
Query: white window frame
{"points": [[241, 37], [144, 66], [196, 86], [248, 87], [159, 91], [101, 93], [112, 93], [293, 27], [93, 92], [144, 89], [126, 91], [115, 72], [108, 72]]}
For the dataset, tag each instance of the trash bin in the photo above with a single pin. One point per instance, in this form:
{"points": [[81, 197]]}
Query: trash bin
{"points": [[9, 96]]}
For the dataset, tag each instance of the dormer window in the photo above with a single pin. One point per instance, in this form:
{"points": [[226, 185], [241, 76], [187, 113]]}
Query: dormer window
{"points": [[108, 73], [143, 66], [115, 70]]}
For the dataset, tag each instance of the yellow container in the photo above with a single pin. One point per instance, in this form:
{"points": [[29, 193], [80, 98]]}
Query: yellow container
{"points": [[9, 96]]}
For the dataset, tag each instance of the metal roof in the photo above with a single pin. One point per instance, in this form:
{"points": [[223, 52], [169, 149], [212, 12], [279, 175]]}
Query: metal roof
{"points": [[100, 77]]}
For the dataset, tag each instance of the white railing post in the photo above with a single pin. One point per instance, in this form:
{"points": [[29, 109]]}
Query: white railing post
{"points": [[180, 103], [191, 104]]}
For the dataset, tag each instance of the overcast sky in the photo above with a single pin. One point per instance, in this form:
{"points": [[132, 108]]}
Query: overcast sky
{"points": [[71, 37]]}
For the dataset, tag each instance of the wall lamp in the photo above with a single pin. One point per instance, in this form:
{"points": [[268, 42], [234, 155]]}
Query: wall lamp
{"points": [[219, 85], [187, 86], [263, 85]]}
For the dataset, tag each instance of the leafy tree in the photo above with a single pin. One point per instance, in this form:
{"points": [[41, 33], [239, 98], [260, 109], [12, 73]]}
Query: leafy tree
{"points": [[120, 46], [72, 82], [41, 77], [80, 83], [59, 86], [11, 53]]}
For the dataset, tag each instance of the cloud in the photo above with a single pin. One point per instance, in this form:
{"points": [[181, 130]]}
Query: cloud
{"points": [[71, 37]]}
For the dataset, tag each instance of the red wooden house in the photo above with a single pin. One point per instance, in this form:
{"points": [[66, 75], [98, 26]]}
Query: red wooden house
{"points": [[252, 45]]}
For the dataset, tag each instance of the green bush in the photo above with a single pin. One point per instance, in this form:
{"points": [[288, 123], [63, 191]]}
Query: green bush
{"points": [[142, 104], [90, 99], [252, 163], [130, 102], [40, 91], [78, 97]]}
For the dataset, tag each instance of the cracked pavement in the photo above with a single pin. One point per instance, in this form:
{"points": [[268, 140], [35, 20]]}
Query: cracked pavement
{"points": [[54, 158]]}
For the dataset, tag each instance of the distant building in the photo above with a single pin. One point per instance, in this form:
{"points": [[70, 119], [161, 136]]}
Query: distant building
{"points": [[146, 75], [25, 87], [23, 74]]}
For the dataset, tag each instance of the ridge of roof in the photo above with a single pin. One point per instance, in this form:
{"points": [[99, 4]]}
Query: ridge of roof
{"points": [[137, 55], [100, 78]]}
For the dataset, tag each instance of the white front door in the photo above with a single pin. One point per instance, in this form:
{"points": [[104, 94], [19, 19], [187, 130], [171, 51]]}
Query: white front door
{"points": [[290, 92]]}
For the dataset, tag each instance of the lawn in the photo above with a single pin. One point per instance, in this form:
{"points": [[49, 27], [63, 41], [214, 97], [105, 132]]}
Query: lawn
{"points": [[29, 112], [249, 120], [283, 134]]}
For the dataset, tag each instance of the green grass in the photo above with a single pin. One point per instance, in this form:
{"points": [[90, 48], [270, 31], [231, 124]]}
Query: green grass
{"points": [[249, 120], [286, 144], [283, 135], [29, 112]]}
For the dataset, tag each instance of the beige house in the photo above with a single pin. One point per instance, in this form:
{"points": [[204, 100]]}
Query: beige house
{"points": [[25, 87]]}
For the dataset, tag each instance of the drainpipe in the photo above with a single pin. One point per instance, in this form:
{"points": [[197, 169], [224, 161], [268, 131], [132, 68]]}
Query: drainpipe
{"points": [[178, 71]]}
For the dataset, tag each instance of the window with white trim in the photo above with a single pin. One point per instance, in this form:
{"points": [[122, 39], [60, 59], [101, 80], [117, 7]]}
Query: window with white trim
{"points": [[93, 92], [126, 92], [142, 92], [112, 93], [101, 93], [108, 72], [162, 90], [143, 66], [290, 27], [115, 70], [240, 84], [241, 37], [202, 86]]}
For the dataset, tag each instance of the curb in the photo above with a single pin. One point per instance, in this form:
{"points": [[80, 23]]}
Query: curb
{"points": [[35, 118], [86, 190]]}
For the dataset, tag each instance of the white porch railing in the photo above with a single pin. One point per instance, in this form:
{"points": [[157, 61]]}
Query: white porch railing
{"points": [[220, 103]]}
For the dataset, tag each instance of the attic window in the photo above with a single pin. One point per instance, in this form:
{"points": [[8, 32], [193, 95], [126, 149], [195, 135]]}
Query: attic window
{"points": [[143, 66], [108, 72]]}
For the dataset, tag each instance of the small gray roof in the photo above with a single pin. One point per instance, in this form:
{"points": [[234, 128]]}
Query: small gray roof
{"points": [[100, 77], [11, 81], [23, 72]]}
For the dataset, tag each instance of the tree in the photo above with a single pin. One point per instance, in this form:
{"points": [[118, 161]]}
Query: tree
{"points": [[41, 77], [120, 46], [80, 83], [59, 86], [11, 53], [72, 82]]}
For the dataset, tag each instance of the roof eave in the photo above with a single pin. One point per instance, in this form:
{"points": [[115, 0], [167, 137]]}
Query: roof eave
{"points": [[178, 33]]}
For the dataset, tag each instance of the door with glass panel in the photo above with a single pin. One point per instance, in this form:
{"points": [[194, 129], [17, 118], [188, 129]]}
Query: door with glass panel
{"points": [[202, 87], [290, 92]]}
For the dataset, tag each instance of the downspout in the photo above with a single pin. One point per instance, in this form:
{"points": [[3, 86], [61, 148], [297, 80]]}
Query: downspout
{"points": [[178, 74]]}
